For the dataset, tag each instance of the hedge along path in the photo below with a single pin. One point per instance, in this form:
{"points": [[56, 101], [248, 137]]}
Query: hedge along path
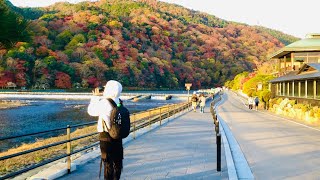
{"points": [[16, 163]]}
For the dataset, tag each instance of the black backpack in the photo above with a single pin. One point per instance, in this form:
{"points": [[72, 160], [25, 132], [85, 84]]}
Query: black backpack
{"points": [[120, 121]]}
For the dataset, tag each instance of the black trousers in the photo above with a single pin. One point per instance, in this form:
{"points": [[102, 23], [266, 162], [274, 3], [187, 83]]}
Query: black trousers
{"points": [[112, 156]]}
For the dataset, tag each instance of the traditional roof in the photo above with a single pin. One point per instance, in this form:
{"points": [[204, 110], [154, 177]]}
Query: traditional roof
{"points": [[307, 71], [310, 44]]}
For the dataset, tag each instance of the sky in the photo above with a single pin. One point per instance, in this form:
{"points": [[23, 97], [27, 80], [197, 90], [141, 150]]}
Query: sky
{"points": [[294, 17]]}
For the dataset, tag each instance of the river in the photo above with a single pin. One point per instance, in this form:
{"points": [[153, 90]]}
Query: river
{"points": [[44, 114]]}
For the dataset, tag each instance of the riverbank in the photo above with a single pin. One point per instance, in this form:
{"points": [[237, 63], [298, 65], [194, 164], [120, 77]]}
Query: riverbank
{"points": [[5, 104]]}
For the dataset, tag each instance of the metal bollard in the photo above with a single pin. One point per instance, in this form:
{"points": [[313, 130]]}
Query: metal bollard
{"points": [[213, 112], [217, 127], [215, 119], [219, 152]]}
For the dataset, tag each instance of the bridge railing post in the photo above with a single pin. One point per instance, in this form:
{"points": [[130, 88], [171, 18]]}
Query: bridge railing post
{"points": [[134, 126], [168, 113], [68, 149], [218, 152], [149, 119], [160, 115]]}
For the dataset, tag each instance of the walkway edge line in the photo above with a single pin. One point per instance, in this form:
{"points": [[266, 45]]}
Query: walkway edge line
{"points": [[232, 173], [241, 166]]}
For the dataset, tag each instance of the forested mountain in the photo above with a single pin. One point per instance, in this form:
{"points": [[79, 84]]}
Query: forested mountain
{"points": [[142, 43], [284, 38]]}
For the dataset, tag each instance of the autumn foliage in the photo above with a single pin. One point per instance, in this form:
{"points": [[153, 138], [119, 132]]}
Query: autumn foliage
{"points": [[63, 80], [145, 44]]}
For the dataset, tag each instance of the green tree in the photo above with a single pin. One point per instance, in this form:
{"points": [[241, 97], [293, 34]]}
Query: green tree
{"points": [[13, 27], [63, 39], [76, 41]]}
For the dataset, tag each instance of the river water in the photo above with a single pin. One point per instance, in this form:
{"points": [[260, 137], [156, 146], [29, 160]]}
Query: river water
{"points": [[43, 114]]}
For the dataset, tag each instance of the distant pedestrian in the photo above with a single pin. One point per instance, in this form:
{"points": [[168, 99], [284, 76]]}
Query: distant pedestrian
{"points": [[256, 102], [194, 100], [202, 100], [111, 149], [250, 102]]}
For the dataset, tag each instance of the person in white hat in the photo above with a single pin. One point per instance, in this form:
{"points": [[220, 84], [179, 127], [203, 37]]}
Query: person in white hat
{"points": [[111, 149]]}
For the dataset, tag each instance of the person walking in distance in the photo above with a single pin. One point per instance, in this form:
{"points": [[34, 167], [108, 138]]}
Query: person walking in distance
{"points": [[194, 100], [250, 102], [256, 103], [111, 149], [202, 102]]}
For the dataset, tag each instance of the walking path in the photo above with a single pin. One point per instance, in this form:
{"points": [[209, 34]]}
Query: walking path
{"points": [[184, 148], [275, 147]]}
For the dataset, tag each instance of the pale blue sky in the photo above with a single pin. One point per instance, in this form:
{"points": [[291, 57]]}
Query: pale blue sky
{"points": [[295, 17]]}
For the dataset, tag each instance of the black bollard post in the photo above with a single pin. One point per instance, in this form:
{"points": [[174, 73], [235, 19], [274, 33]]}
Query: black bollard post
{"points": [[219, 152], [217, 126]]}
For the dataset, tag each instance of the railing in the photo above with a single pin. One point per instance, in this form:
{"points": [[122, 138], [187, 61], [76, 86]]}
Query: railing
{"points": [[138, 121]]}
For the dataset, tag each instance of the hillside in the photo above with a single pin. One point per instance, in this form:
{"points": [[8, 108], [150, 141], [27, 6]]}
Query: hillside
{"points": [[145, 44]]}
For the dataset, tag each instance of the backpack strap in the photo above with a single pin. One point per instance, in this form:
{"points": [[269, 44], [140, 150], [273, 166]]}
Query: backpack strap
{"points": [[113, 104]]}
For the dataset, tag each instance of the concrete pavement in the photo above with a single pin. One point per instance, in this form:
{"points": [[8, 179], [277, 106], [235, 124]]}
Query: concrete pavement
{"points": [[275, 147], [184, 148]]}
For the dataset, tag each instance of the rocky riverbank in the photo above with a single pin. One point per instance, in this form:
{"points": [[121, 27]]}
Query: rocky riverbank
{"points": [[4, 104]]}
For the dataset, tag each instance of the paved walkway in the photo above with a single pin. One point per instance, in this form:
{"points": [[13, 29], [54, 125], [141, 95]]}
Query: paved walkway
{"points": [[275, 147], [184, 148]]}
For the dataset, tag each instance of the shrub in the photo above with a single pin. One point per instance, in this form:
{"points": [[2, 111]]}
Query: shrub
{"points": [[315, 112], [279, 101], [292, 102], [304, 107], [272, 102]]}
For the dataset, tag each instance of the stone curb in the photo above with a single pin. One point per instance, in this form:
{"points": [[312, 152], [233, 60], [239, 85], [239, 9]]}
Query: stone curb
{"points": [[237, 164]]}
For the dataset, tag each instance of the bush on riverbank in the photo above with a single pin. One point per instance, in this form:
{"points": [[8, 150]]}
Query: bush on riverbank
{"points": [[301, 112]]}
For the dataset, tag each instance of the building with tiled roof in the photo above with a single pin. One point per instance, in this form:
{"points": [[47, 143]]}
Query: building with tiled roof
{"points": [[298, 71]]}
